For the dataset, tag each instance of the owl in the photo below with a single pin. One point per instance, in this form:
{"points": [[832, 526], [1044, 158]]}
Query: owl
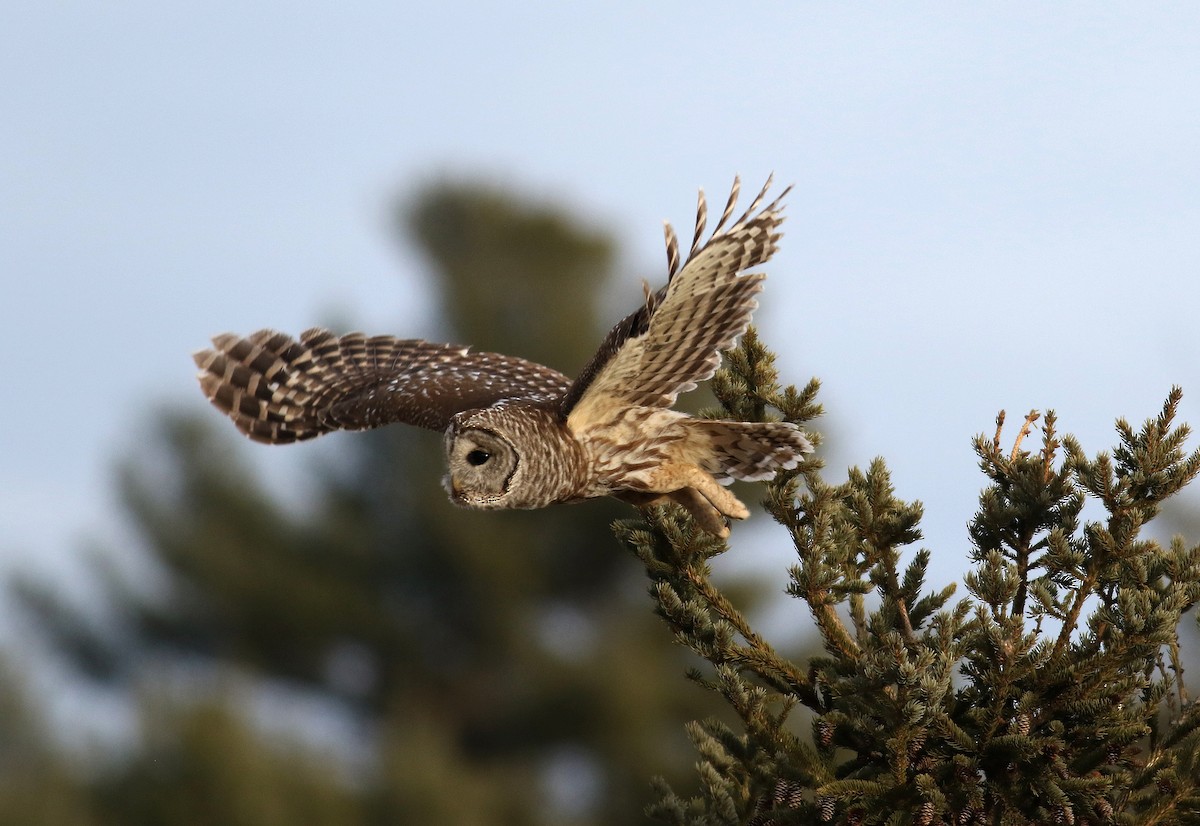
{"points": [[521, 435]]}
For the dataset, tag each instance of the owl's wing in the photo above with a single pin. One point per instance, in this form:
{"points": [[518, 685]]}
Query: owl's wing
{"points": [[675, 339], [277, 389]]}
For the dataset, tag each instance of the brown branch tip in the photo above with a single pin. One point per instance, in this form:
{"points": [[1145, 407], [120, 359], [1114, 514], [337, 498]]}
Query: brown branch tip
{"points": [[1030, 418]]}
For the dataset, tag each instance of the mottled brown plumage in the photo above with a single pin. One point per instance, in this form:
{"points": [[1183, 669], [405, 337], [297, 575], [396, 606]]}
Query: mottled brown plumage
{"points": [[521, 435], [280, 390]]}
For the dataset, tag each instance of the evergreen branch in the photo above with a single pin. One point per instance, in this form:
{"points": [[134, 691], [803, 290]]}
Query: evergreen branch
{"points": [[1085, 724], [757, 656], [1071, 620]]}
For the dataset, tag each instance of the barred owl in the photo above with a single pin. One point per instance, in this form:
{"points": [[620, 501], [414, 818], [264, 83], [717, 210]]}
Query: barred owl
{"points": [[521, 435]]}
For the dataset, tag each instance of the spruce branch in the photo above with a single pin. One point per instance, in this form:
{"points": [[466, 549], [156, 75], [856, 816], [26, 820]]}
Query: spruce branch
{"points": [[1052, 694]]}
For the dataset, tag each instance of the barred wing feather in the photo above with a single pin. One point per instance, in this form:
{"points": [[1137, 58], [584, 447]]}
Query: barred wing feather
{"points": [[675, 340], [277, 389]]}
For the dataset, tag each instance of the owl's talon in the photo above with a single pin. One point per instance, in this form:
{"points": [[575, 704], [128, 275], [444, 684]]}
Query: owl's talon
{"points": [[710, 515]]}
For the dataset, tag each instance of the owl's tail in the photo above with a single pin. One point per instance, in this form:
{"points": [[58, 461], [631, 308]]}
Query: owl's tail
{"points": [[750, 451]]}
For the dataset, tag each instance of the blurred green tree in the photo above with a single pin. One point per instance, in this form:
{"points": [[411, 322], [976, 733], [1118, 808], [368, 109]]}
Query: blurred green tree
{"points": [[503, 667], [37, 784]]}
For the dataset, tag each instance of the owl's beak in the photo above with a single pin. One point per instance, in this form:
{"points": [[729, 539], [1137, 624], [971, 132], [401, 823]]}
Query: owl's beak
{"points": [[455, 490]]}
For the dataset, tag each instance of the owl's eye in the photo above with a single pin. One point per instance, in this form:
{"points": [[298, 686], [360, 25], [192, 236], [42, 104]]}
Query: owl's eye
{"points": [[477, 457]]}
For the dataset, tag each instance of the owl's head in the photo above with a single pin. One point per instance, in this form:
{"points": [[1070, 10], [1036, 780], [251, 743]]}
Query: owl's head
{"points": [[482, 467], [514, 454]]}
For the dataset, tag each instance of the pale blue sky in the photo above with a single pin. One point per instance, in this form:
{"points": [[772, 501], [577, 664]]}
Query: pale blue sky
{"points": [[996, 205]]}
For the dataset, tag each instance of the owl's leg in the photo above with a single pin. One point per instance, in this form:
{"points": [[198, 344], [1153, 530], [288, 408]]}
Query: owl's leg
{"points": [[641, 499], [700, 495], [707, 517]]}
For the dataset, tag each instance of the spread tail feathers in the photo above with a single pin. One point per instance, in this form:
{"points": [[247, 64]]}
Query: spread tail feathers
{"points": [[751, 451]]}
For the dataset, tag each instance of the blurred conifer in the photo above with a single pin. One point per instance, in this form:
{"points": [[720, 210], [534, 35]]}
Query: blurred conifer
{"points": [[502, 666], [37, 784]]}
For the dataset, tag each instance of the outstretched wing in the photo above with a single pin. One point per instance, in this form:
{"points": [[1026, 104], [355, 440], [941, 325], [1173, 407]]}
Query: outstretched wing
{"points": [[277, 389], [676, 338]]}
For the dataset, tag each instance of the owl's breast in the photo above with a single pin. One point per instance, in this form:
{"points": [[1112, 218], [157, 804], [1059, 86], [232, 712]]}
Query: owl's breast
{"points": [[623, 451]]}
